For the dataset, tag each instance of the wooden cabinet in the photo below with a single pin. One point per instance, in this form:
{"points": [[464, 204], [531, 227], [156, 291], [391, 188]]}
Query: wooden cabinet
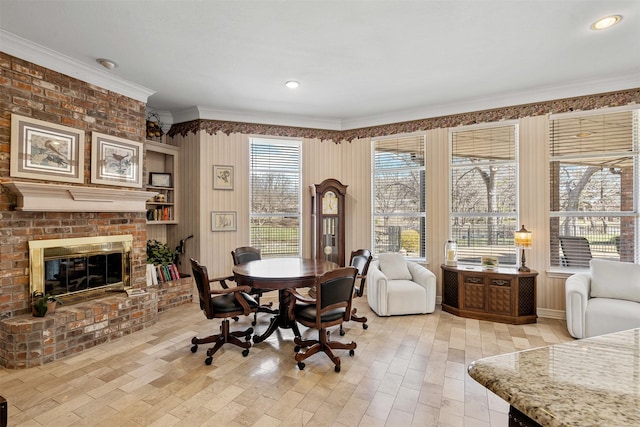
{"points": [[502, 295], [161, 176]]}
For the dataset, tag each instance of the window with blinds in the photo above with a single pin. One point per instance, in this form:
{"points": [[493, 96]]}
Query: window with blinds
{"points": [[593, 177], [399, 196], [275, 196], [484, 190]]}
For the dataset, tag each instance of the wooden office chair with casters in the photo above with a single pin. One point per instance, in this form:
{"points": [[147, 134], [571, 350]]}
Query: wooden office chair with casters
{"points": [[222, 304], [245, 254], [360, 259], [331, 307]]}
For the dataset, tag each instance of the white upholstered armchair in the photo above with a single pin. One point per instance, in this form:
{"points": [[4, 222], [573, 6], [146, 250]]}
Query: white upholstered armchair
{"points": [[396, 286], [603, 300]]}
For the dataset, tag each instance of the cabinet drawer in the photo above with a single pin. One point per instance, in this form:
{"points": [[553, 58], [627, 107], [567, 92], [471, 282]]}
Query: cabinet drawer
{"points": [[475, 280], [500, 282]]}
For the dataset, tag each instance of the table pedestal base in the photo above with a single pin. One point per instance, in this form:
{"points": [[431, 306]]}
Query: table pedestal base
{"points": [[280, 320]]}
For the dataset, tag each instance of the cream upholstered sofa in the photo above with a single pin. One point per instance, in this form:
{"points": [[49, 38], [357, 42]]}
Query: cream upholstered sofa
{"points": [[396, 286], [604, 300]]}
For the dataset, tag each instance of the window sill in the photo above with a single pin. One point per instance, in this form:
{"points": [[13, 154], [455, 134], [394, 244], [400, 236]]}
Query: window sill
{"points": [[563, 273]]}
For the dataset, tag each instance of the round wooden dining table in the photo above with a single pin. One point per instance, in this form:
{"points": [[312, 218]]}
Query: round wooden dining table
{"points": [[281, 274]]}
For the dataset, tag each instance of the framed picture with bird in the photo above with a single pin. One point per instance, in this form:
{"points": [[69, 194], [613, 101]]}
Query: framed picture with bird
{"points": [[116, 161], [48, 151], [222, 177]]}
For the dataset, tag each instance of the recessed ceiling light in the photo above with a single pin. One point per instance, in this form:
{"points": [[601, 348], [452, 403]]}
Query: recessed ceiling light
{"points": [[292, 84], [107, 63], [606, 22]]}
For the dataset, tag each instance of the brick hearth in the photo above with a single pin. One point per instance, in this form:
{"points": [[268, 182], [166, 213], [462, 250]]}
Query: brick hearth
{"points": [[27, 341]]}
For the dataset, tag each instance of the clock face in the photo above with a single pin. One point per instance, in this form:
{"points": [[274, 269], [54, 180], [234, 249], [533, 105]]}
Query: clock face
{"points": [[329, 203]]}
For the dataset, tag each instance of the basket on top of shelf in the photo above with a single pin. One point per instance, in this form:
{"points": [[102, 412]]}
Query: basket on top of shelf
{"points": [[154, 127]]}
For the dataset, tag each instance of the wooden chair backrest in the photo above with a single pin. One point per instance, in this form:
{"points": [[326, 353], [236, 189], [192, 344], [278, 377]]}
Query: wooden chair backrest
{"points": [[201, 276], [360, 259], [334, 290], [245, 254]]}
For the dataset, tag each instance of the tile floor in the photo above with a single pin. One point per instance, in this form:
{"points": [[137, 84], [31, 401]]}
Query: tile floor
{"points": [[407, 371]]}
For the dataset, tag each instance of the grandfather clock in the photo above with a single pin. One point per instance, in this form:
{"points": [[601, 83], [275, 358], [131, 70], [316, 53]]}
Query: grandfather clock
{"points": [[328, 202]]}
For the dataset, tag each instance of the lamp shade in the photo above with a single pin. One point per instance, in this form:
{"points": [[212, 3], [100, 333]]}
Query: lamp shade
{"points": [[522, 238]]}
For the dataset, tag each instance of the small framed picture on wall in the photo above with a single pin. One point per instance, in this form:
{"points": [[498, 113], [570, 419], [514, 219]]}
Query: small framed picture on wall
{"points": [[223, 221], [223, 177]]}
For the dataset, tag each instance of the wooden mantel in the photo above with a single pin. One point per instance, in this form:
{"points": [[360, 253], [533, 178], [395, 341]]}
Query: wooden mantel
{"points": [[44, 197]]}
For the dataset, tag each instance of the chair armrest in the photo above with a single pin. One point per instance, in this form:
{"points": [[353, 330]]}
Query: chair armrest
{"points": [[246, 309], [297, 297], [300, 297], [223, 291], [421, 275], [222, 281], [577, 289], [377, 289], [425, 278]]}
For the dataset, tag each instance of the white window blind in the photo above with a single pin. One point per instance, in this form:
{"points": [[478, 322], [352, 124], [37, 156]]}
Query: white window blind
{"points": [[275, 173], [593, 176], [399, 195], [484, 193]]}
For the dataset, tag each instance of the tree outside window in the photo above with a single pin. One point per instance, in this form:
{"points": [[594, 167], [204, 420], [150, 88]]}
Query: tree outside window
{"points": [[275, 218], [593, 179], [399, 218], [484, 193]]}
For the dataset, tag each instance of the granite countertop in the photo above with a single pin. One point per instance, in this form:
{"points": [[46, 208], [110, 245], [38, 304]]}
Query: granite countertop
{"points": [[588, 382]]}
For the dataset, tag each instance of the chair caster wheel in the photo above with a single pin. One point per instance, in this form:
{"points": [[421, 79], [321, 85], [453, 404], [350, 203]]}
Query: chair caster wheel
{"points": [[253, 323], [301, 365], [208, 360], [351, 353], [337, 368], [245, 352], [194, 348], [341, 332], [296, 348], [365, 326], [247, 337]]}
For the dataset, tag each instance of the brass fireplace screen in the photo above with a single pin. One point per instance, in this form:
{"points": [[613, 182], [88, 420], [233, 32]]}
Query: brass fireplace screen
{"points": [[80, 268]]}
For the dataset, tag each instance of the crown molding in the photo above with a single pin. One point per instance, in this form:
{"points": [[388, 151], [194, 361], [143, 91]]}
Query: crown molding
{"points": [[32, 52], [580, 103], [538, 94], [45, 57]]}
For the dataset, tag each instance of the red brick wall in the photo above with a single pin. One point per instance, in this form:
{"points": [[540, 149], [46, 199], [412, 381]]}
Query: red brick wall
{"points": [[33, 91]]}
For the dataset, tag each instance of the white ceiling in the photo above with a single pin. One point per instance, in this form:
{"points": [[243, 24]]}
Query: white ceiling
{"points": [[359, 62]]}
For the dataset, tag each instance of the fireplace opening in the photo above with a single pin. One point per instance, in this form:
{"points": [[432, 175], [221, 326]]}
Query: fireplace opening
{"points": [[82, 268]]}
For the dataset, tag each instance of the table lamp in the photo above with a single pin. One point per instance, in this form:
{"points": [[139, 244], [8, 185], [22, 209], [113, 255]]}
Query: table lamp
{"points": [[522, 239]]}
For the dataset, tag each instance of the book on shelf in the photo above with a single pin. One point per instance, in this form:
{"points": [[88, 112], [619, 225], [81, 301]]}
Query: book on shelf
{"points": [[160, 214], [167, 273]]}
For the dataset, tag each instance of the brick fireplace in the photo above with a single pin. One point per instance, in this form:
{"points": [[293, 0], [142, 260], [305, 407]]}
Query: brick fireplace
{"points": [[33, 91]]}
